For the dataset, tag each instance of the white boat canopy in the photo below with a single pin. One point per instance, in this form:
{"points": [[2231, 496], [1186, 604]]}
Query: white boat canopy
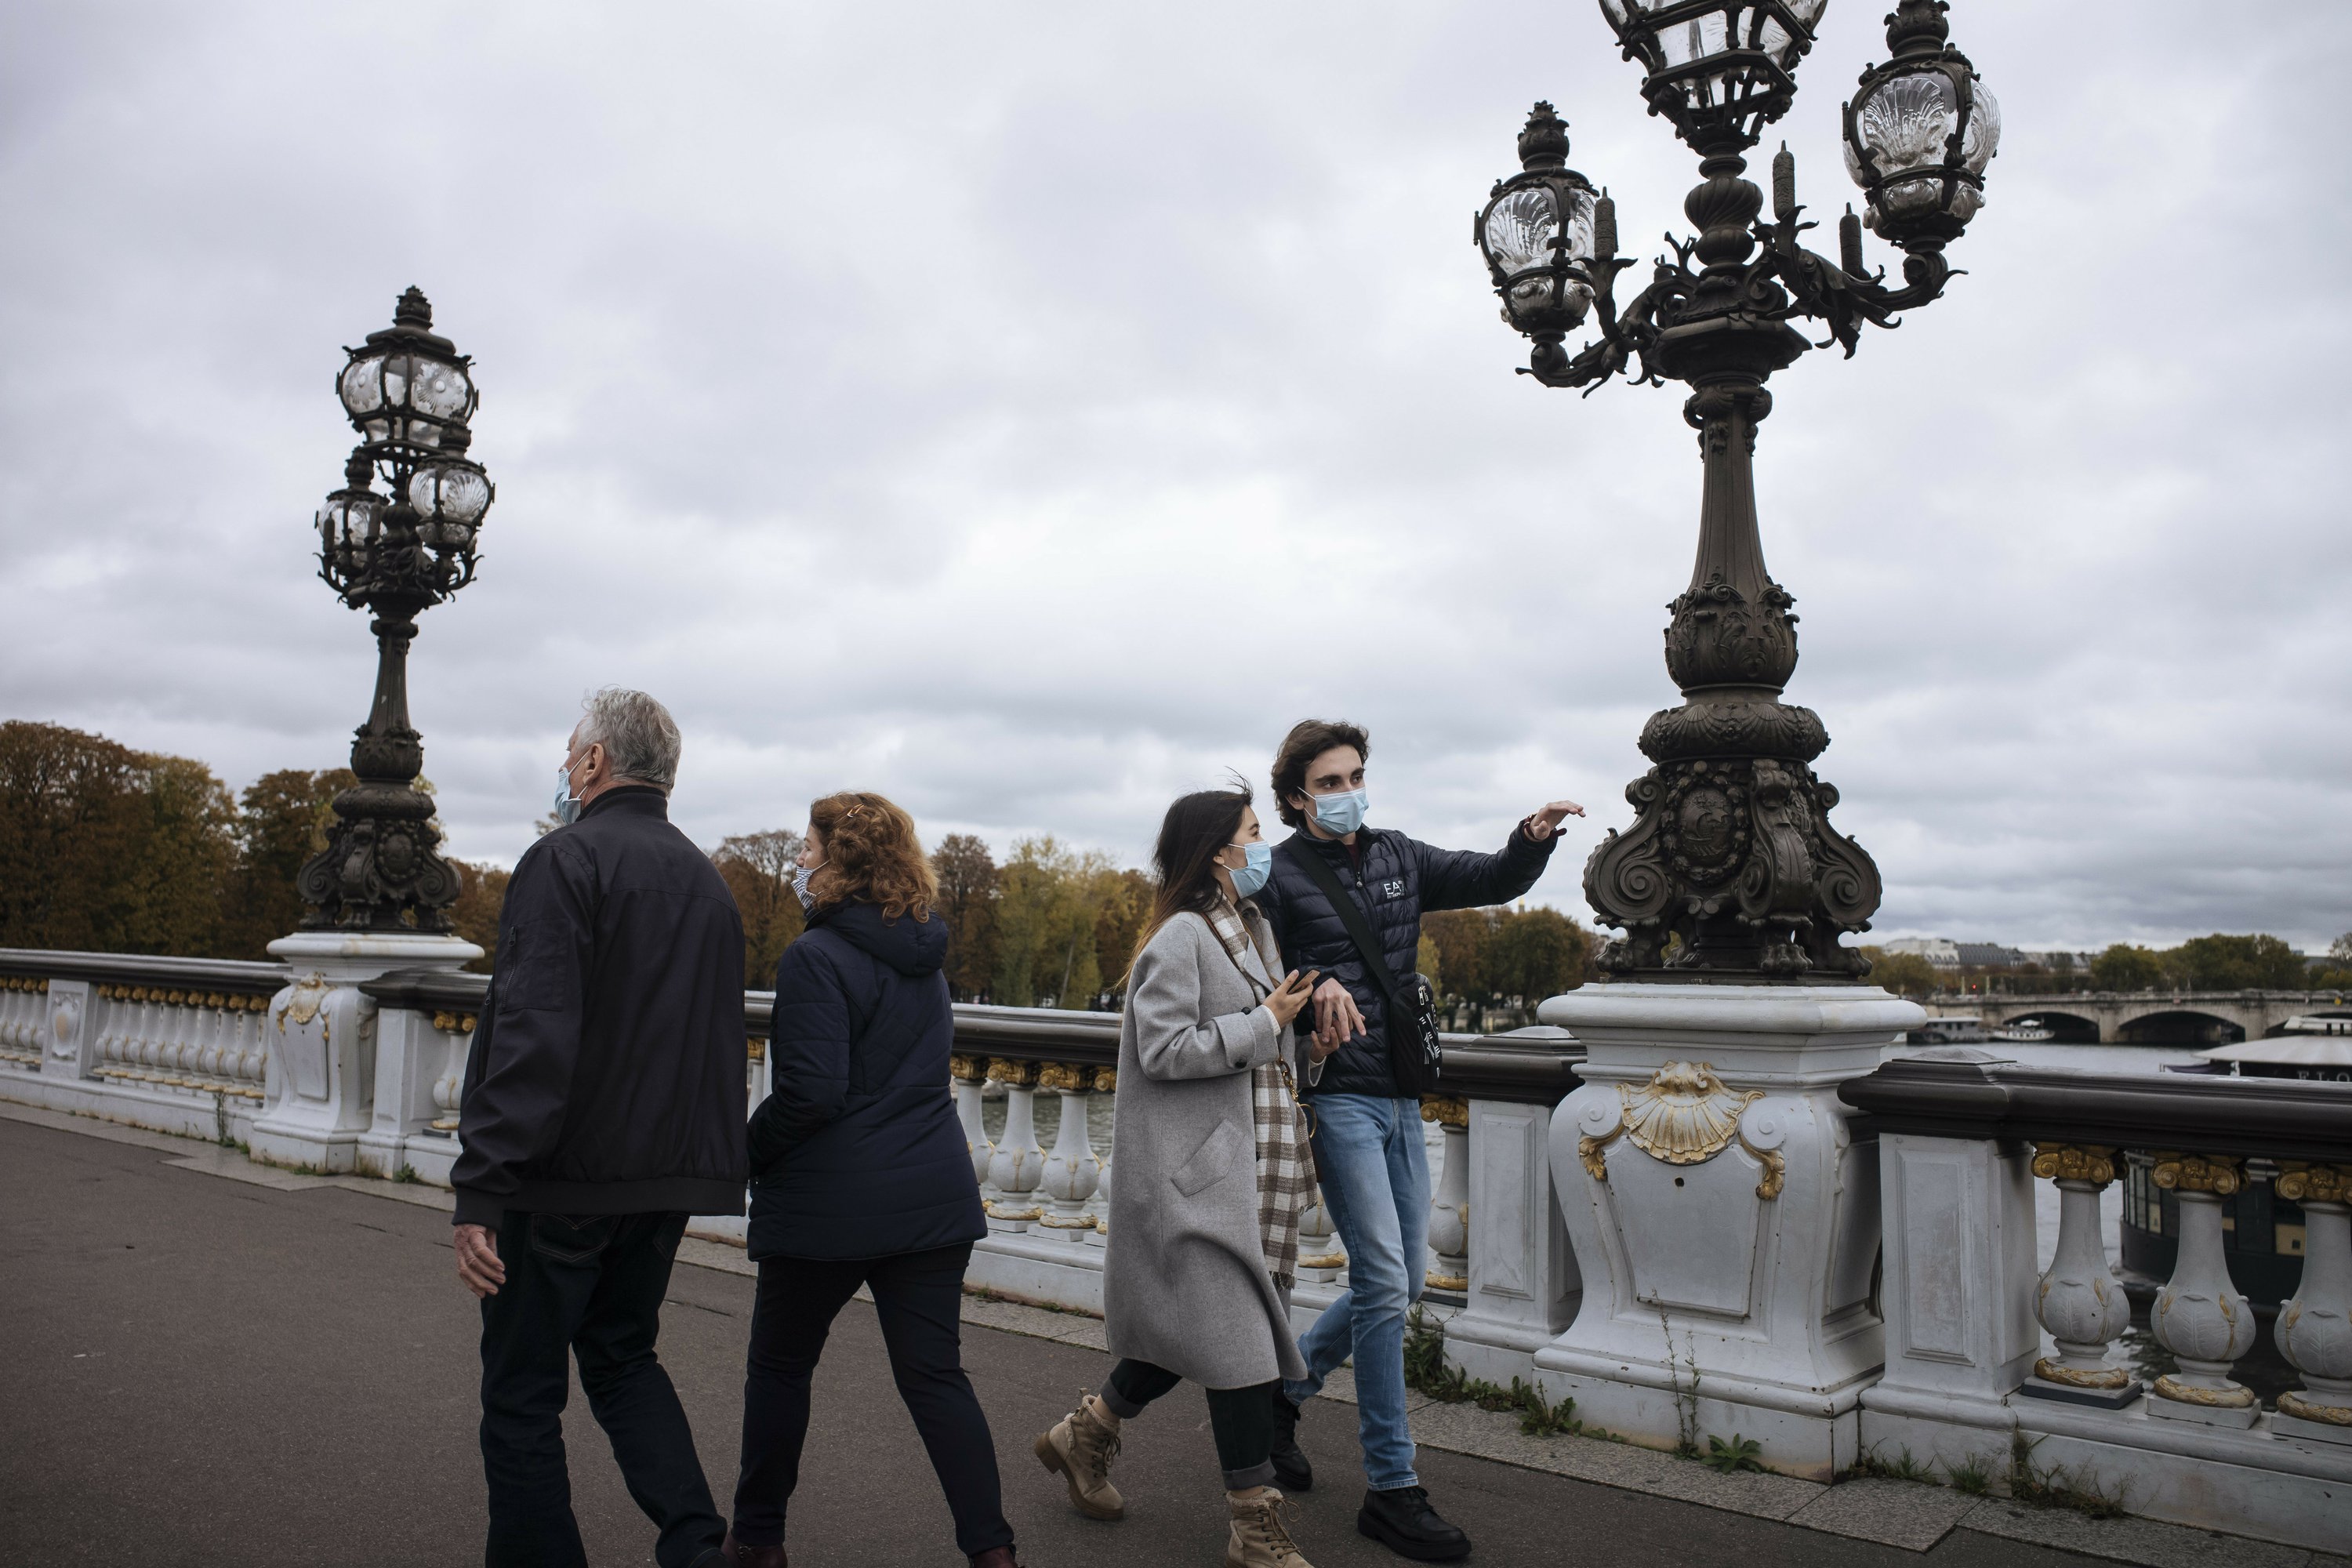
{"points": [[2289, 1050]]}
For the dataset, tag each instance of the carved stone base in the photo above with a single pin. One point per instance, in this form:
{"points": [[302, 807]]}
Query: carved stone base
{"points": [[2239, 1416], [1724, 1218]]}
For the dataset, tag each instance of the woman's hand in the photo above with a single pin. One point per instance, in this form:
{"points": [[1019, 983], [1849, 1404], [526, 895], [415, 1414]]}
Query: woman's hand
{"points": [[1290, 997]]}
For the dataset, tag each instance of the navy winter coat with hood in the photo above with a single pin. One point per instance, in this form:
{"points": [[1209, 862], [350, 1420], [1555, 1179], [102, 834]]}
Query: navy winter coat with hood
{"points": [[856, 1151], [1394, 880]]}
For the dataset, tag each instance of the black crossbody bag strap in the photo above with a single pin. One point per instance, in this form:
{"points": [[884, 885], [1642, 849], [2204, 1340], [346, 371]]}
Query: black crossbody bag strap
{"points": [[1405, 1015]]}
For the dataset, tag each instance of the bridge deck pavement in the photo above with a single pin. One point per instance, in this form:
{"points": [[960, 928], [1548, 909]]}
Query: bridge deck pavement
{"points": [[279, 1369]]}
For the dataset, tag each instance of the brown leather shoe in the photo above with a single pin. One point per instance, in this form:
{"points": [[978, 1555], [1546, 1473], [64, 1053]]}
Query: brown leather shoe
{"points": [[733, 1553]]}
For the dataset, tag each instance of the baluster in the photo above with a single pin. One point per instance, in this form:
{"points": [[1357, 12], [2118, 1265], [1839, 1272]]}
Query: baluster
{"points": [[2314, 1328], [1107, 1086], [2198, 1316], [139, 1049], [1319, 1255], [1449, 1211], [1072, 1172], [2078, 1301], [1019, 1163], [254, 1061], [968, 1074]]}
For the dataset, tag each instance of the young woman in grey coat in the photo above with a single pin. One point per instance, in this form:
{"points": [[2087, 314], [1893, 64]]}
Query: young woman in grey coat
{"points": [[1213, 1175]]}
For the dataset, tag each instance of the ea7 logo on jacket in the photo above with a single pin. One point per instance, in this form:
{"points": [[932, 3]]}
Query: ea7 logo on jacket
{"points": [[1393, 888]]}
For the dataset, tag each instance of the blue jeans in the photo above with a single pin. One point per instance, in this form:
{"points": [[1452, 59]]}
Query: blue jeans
{"points": [[1375, 1173]]}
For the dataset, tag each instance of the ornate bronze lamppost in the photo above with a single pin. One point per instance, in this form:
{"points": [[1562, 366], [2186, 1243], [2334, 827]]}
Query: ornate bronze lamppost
{"points": [[1731, 870], [393, 553]]}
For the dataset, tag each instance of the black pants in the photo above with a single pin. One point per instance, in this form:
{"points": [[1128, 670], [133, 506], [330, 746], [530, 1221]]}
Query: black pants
{"points": [[918, 1296], [590, 1285], [1241, 1419]]}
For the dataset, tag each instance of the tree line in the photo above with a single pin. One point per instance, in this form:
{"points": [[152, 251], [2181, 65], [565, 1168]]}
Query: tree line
{"points": [[106, 849], [2218, 963]]}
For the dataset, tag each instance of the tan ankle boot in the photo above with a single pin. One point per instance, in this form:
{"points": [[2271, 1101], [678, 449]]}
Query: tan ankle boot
{"points": [[1079, 1449], [1259, 1538]]}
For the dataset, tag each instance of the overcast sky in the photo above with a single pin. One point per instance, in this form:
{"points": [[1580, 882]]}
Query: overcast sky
{"points": [[1030, 410]]}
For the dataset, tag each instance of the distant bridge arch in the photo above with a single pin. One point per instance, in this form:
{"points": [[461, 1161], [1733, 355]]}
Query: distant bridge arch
{"points": [[2159, 1018]]}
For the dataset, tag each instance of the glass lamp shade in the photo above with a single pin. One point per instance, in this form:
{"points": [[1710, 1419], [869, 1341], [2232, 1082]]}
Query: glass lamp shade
{"points": [[449, 499], [1720, 70], [350, 525], [1918, 135], [405, 395], [1537, 237]]}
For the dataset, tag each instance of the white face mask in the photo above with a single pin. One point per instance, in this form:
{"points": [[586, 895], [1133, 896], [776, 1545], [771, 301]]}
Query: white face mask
{"points": [[801, 875]]}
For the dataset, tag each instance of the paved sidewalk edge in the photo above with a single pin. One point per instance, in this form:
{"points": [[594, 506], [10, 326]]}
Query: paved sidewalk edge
{"points": [[1908, 1514]]}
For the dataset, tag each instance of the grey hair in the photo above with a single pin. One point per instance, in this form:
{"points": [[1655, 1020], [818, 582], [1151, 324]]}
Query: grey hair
{"points": [[637, 734]]}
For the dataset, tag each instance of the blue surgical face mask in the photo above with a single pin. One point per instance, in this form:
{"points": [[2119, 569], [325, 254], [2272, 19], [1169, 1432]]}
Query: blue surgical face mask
{"points": [[1250, 878], [567, 804], [1340, 813]]}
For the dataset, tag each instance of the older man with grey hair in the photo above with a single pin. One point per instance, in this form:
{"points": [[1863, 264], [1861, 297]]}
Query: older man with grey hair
{"points": [[603, 1104]]}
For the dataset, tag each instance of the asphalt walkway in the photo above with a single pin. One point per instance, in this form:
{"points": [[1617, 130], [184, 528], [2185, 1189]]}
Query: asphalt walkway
{"points": [[279, 1370]]}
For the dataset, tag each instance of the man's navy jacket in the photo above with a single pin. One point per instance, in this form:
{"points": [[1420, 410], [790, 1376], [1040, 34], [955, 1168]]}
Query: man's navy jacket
{"points": [[1396, 880], [607, 1073]]}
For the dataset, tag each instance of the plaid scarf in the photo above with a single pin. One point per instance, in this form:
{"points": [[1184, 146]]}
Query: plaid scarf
{"points": [[1284, 1179]]}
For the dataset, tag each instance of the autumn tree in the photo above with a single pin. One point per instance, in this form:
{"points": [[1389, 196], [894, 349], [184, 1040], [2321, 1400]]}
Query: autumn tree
{"points": [[2124, 967], [757, 870], [966, 873], [1904, 973], [2218, 963], [481, 894], [282, 819]]}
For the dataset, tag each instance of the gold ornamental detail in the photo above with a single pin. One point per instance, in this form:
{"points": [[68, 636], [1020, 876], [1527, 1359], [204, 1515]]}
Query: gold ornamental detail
{"points": [[303, 1002], [1068, 1077], [1776, 1170], [2074, 1162], [2235, 1397], [2314, 1183], [2215, 1174], [1455, 1283], [1594, 1152], [1446, 1111], [1684, 1115], [967, 1070], [2075, 1377], [2295, 1402], [1106, 1080], [1011, 1074]]}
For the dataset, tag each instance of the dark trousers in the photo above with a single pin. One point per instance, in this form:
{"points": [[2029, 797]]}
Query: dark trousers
{"points": [[918, 1297], [1241, 1419], [590, 1286]]}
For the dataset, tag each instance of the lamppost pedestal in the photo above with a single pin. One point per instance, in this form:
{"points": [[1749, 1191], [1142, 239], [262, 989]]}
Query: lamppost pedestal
{"points": [[1724, 1216], [324, 1067]]}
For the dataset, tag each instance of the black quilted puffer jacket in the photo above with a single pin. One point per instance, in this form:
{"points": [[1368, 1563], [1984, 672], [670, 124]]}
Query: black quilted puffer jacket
{"points": [[1399, 879]]}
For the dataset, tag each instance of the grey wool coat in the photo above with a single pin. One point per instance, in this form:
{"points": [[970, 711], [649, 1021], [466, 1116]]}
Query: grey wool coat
{"points": [[1185, 1285]]}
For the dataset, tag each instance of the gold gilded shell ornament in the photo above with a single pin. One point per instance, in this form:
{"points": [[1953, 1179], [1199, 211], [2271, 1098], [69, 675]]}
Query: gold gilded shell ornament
{"points": [[1685, 1114]]}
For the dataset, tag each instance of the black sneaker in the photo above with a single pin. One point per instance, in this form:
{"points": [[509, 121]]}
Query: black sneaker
{"points": [[1403, 1521], [1292, 1473]]}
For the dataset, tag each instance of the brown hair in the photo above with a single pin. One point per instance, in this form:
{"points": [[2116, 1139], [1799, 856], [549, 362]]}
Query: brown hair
{"points": [[871, 855], [1309, 739], [1192, 835]]}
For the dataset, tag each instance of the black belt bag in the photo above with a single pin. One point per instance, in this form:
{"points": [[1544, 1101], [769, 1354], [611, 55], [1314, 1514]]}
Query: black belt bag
{"points": [[1415, 1053]]}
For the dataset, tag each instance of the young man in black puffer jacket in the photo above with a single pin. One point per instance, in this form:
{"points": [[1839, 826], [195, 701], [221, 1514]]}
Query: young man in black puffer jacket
{"points": [[1367, 1140]]}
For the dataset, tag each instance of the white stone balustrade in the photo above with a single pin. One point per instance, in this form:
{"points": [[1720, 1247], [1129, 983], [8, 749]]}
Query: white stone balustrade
{"points": [[24, 1021], [178, 1041], [2314, 1331]]}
